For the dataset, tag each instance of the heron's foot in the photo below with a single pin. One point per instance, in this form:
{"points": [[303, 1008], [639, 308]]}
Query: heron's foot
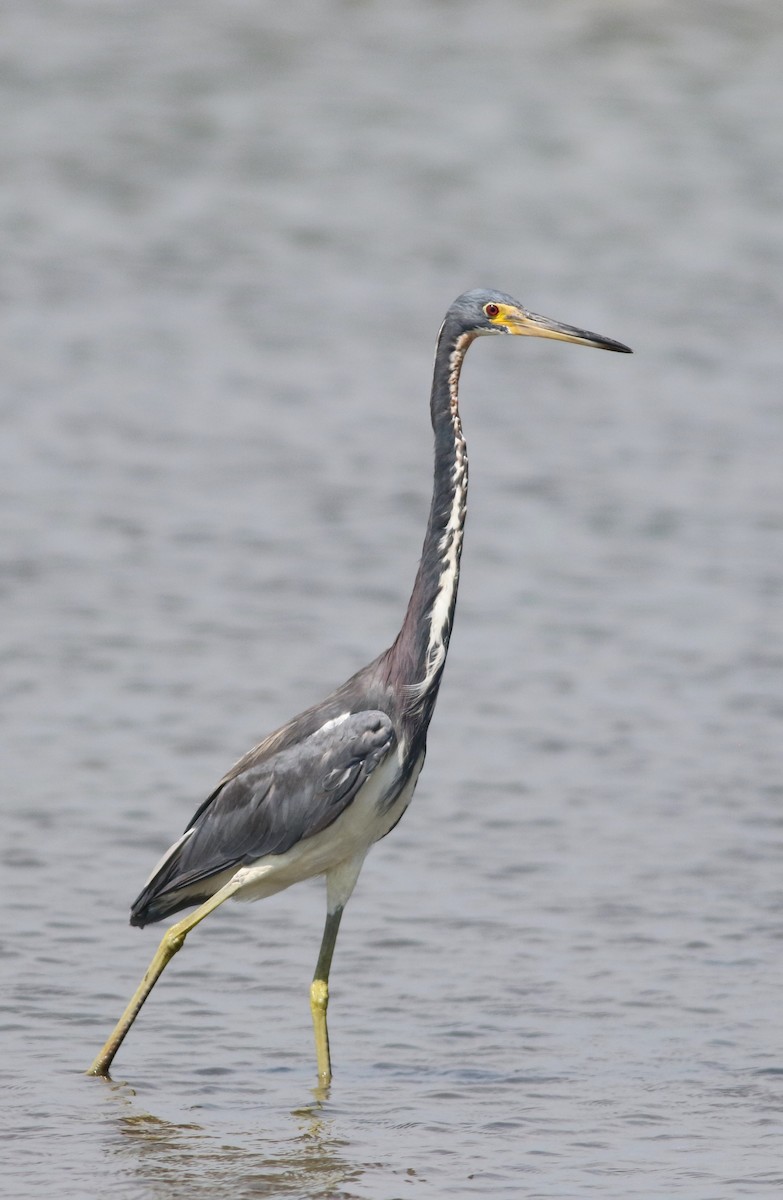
{"points": [[319, 996], [173, 940], [319, 1002]]}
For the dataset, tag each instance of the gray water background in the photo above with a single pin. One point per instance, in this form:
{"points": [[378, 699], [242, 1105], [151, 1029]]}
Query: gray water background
{"points": [[229, 234]]}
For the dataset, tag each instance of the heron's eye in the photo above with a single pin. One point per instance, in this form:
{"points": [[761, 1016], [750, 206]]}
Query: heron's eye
{"points": [[491, 310]]}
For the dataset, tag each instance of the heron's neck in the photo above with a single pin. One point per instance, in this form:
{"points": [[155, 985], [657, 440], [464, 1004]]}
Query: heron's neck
{"points": [[419, 653]]}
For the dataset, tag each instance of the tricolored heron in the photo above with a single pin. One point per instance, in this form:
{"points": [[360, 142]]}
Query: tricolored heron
{"points": [[313, 797]]}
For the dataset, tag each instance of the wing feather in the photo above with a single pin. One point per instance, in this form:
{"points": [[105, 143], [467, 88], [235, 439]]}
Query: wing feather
{"points": [[266, 808]]}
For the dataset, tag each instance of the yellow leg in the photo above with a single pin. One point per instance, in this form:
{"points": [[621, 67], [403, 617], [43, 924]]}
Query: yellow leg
{"points": [[319, 995], [172, 941]]}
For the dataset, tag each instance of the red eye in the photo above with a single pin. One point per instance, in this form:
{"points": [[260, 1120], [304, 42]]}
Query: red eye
{"points": [[491, 310]]}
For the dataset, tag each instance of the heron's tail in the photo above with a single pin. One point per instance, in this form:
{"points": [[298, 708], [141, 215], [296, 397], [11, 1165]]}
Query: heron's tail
{"points": [[172, 886], [148, 908]]}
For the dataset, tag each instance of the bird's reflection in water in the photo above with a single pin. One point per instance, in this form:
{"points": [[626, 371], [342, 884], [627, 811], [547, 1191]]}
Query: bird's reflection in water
{"points": [[189, 1159]]}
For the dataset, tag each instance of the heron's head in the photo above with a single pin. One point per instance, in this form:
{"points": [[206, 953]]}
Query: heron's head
{"points": [[483, 311]]}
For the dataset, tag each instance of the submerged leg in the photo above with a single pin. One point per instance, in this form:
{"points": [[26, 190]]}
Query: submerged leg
{"points": [[172, 941], [319, 993]]}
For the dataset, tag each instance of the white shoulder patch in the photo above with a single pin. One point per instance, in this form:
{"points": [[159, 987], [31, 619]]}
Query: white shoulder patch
{"points": [[335, 721]]}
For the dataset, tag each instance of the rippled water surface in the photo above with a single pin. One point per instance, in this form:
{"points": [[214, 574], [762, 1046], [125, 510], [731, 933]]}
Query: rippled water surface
{"points": [[229, 234]]}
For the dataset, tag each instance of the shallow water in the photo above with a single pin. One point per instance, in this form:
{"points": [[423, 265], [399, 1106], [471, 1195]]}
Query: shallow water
{"points": [[229, 235]]}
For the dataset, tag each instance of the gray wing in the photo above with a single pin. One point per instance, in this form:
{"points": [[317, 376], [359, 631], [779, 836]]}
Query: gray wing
{"points": [[267, 808]]}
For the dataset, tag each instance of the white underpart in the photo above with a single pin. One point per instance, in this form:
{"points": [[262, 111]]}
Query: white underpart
{"points": [[450, 545], [339, 850]]}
